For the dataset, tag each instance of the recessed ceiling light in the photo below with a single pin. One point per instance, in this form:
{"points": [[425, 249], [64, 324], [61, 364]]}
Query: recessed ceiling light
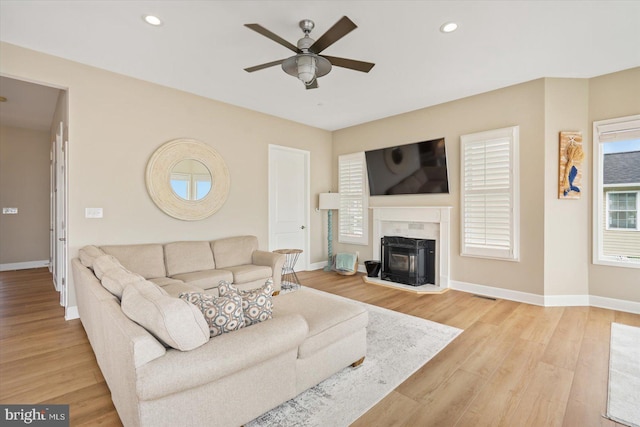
{"points": [[449, 27], [152, 20]]}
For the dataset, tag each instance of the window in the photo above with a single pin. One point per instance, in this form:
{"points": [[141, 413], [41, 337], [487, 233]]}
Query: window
{"points": [[489, 194], [622, 210], [353, 214], [616, 192]]}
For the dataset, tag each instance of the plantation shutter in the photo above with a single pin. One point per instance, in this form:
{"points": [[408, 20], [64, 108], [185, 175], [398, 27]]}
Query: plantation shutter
{"points": [[353, 215], [489, 195]]}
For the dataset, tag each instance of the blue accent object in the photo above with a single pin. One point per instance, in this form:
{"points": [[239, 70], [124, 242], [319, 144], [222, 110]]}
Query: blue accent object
{"points": [[345, 262], [572, 175]]}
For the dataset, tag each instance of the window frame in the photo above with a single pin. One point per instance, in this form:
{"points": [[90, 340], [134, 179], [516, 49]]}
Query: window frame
{"points": [[512, 253], [363, 198], [606, 131]]}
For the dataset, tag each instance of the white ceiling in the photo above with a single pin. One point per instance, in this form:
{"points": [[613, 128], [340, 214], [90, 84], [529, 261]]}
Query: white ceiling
{"points": [[203, 47]]}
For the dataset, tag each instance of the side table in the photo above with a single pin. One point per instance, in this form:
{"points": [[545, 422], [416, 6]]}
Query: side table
{"points": [[289, 276]]}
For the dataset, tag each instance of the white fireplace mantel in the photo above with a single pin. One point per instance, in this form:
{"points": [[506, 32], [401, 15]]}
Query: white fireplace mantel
{"points": [[425, 222]]}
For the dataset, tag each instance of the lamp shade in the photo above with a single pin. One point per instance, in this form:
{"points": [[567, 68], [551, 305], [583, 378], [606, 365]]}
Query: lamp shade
{"points": [[329, 201]]}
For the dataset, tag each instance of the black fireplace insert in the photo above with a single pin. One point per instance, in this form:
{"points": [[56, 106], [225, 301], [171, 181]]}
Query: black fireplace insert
{"points": [[408, 260]]}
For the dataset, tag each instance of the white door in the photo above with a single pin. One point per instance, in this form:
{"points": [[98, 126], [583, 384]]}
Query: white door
{"points": [[60, 258], [289, 201]]}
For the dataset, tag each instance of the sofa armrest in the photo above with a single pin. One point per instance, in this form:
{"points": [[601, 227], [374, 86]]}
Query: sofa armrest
{"points": [[222, 356], [273, 260]]}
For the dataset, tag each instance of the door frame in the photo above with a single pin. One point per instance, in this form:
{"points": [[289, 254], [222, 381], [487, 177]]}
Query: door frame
{"points": [[304, 260], [59, 212]]}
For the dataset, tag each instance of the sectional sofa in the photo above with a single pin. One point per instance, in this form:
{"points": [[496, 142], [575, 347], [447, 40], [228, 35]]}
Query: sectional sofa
{"points": [[155, 352]]}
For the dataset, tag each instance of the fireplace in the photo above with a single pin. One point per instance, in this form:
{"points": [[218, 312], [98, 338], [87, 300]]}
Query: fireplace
{"points": [[408, 260]]}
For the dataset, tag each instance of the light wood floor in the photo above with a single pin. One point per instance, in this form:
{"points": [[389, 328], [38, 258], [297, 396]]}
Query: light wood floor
{"points": [[514, 364]]}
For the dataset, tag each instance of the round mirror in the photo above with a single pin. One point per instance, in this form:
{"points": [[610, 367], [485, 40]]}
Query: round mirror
{"points": [[187, 179], [190, 180]]}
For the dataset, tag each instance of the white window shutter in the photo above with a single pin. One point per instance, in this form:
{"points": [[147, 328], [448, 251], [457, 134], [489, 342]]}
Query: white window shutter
{"points": [[489, 196], [353, 214]]}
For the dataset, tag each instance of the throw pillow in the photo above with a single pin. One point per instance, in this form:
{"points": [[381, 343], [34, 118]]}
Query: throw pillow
{"points": [[257, 303], [173, 321], [222, 314]]}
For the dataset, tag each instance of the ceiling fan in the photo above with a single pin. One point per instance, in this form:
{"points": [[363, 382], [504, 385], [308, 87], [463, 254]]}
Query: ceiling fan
{"points": [[307, 64]]}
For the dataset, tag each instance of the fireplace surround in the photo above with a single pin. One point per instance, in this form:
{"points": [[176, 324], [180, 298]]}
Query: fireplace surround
{"points": [[423, 222]]}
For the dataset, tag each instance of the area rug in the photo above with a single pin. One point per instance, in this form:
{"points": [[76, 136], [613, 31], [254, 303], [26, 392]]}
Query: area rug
{"points": [[397, 346], [623, 404]]}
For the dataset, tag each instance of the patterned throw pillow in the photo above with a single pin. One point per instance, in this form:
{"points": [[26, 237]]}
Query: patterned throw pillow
{"points": [[257, 303], [222, 314]]}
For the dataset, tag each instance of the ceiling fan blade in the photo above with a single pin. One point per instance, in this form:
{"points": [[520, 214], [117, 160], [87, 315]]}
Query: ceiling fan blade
{"points": [[276, 38], [263, 66], [340, 29], [352, 64], [313, 85]]}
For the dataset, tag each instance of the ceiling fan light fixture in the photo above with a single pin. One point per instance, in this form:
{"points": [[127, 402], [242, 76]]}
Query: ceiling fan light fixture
{"points": [[306, 68]]}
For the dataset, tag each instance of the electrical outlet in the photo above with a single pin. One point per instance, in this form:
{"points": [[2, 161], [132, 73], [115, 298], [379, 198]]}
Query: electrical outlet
{"points": [[93, 212], [9, 211]]}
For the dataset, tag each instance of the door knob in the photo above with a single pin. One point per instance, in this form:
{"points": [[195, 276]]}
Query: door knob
{"points": [[302, 227]]}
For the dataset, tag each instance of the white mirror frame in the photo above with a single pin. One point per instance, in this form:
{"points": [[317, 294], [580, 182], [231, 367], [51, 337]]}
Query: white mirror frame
{"points": [[158, 183]]}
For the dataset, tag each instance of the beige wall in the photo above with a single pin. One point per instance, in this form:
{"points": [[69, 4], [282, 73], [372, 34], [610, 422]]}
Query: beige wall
{"points": [[555, 234], [567, 246], [24, 184], [521, 105], [115, 124], [610, 96]]}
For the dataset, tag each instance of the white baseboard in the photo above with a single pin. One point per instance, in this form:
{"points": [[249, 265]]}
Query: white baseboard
{"points": [[323, 264], [548, 300], [317, 265], [24, 265], [490, 291], [71, 313], [614, 304], [566, 300]]}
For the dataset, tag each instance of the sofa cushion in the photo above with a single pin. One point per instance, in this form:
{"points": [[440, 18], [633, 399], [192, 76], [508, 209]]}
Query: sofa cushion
{"points": [[88, 254], [256, 304], [164, 281], [234, 251], [249, 273], [222, 314], [330, 318], [173, 321], [205, 279], [177, 287], [116, 279], [187, 257], [104, 263], [147, 260]]}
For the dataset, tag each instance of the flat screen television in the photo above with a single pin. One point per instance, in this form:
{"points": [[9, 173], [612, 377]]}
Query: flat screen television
{"points": [[417, 168]]}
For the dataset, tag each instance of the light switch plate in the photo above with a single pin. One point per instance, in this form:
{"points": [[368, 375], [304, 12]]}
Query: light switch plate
{"points": [[9, 211], [93, 212]]}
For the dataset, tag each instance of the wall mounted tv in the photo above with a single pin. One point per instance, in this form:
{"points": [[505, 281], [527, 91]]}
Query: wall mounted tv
{"points": [[417, 168]]}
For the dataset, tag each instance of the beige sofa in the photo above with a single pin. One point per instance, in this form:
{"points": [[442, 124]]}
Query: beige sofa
{"points": [[201, 264], [170, 373]]}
